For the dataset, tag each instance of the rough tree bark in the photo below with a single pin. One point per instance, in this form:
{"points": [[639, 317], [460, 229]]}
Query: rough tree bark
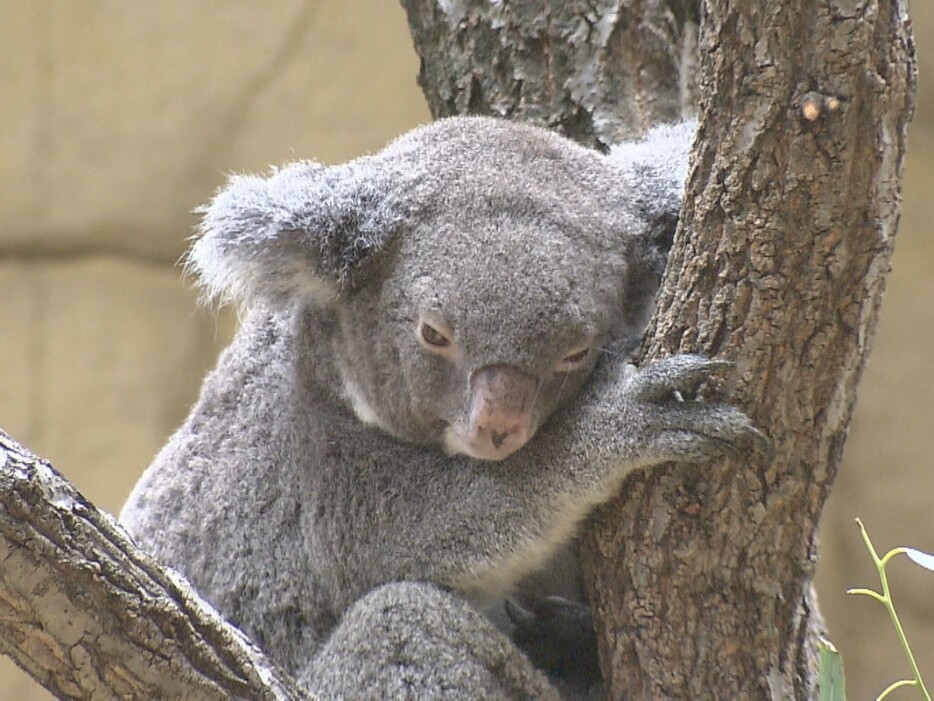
{"points": [[701, 579], [598, 72]]}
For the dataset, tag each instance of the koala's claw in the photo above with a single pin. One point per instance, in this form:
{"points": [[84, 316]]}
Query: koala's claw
{"points": [[675, 377], [688, 429], [761, 443], [713, 432], [746, 438]]}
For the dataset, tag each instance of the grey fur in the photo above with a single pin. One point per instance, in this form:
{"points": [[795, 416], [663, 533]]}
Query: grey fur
{"points": [[306, 495]]}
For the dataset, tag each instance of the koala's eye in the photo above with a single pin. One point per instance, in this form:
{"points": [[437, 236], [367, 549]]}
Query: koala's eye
{"points": [[434, 338], [573, 360]]}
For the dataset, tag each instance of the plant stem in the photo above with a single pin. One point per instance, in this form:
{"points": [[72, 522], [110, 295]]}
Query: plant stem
{"points": [[886, 600], [895, 685]]}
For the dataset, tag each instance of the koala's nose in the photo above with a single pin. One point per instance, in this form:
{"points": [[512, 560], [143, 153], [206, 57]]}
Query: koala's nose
{"points": [[500, 411]]}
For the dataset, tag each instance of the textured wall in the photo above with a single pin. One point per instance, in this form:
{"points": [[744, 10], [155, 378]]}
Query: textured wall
{"points": [[118, 118]]}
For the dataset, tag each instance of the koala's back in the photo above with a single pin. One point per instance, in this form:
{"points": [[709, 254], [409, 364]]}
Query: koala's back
{"points": [[228, 500]]}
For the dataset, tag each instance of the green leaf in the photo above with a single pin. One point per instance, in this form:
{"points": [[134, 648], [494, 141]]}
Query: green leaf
{"points": [[830, 673], [921, 558]]}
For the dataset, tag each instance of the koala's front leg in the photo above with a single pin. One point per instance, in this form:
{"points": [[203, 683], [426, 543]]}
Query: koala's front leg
{"points": [[630, 418], [626, 419], [479, 527], [661, 419]]}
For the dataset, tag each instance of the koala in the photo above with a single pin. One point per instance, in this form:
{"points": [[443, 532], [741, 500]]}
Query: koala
{"points": [[427, 393]]}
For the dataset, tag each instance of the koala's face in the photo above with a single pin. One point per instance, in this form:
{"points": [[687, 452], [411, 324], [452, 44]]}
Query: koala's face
{"points": [[487, 322], [475, 268]]}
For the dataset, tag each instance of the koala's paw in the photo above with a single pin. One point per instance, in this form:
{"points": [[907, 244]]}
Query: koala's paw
{"points": [[685, 427], [557, 635]]}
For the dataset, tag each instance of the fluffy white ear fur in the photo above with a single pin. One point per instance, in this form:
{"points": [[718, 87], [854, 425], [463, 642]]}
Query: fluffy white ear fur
{"points": [[663, 152], [250, 241]]}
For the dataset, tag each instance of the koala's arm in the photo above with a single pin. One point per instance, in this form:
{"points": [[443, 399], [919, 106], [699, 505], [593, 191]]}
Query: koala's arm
{"points": [[478, 527]]}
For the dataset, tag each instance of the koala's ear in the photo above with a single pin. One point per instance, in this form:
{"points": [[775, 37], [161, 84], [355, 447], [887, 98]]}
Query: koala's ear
{"points": [[656, 168], [301, 232]]}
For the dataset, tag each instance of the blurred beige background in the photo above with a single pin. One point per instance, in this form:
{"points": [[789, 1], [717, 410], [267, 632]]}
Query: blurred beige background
{"points": [[116, 119]]}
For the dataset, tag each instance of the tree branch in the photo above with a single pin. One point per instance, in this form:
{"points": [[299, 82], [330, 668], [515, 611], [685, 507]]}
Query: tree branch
{"points": [[87, 614]]}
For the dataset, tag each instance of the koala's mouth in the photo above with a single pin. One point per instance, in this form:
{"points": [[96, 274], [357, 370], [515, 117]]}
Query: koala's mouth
{"points": [[493, 446]]}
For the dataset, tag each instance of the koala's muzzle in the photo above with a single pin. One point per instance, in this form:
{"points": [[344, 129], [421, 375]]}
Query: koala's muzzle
{"points": [[500, 411]]}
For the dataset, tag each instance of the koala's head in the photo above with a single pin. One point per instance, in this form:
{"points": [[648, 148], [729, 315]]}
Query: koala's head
{"points": [[475, 268]]}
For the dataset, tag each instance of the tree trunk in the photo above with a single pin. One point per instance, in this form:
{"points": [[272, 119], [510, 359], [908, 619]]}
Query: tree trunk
{"points": [[88, 615], [598, 72], [701, 579]]}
